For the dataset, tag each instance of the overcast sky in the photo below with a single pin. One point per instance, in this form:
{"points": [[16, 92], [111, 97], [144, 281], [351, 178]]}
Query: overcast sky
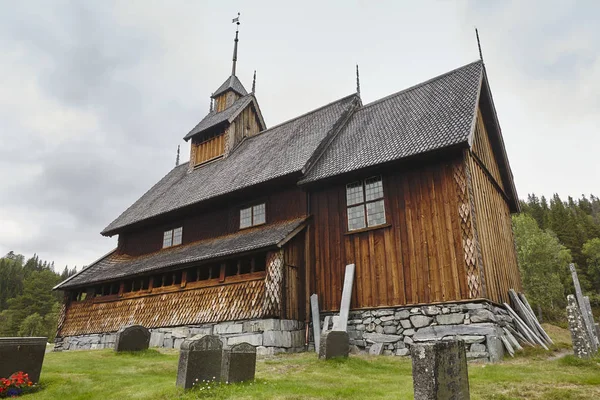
{"points": [[95, 96]]}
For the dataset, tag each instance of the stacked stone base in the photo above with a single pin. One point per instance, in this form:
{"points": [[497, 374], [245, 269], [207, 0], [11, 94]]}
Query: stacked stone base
{"points": [[270, 336], [478, 324]]}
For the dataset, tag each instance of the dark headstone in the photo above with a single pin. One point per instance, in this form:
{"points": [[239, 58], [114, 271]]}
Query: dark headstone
{"points": [[334, 344], [440, 370], [239, 363], [22, 354], [132, 338], [199, 360], [582, 343]]}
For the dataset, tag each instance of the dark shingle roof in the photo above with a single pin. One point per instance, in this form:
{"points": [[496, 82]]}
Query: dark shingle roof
{"points": [[114, 266], [276, 152], [435, 114], [215, 118], [231, 83]]}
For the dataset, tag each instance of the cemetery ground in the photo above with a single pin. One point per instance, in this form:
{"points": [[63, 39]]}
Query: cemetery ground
{"points": [[104, 374]]}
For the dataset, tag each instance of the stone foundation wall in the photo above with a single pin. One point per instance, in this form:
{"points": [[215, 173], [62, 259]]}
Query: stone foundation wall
{"points": [[271, 336], [478, 324]]}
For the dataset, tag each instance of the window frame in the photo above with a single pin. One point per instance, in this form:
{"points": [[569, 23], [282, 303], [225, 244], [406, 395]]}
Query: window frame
{"points": [[253, 223], [363, 203], [172, 237]]}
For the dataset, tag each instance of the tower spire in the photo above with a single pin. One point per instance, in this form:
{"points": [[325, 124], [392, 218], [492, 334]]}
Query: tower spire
{"points": [[357, 81], [478, 44], [235, 46], [254, 82], [177, 159]]}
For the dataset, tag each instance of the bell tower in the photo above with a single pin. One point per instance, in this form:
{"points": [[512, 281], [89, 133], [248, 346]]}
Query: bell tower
{"points": [[234, 115]]}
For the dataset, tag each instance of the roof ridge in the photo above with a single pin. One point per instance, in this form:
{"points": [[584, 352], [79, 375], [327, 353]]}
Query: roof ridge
{"points": [[302, 115], [418, 85]]}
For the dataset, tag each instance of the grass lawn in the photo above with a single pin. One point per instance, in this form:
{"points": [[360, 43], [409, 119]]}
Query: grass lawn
{"points": [[102, 374]]}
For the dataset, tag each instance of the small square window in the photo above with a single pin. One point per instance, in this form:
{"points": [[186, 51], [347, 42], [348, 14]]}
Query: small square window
{"points": [[252, 216], [365, 199], [245, 217], [168, 239], [172, 237]]}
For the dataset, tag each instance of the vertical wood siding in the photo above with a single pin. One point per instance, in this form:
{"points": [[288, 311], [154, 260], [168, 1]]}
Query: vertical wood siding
{"points": [[483, 150], [416, 258], [209, 149], [285, 204], [293, 281], [493, 222]]}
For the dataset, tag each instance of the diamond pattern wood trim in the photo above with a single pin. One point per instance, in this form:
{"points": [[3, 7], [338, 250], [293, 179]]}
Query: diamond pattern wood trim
{"points": [[273, 284], [229, 302], [466, 227]]}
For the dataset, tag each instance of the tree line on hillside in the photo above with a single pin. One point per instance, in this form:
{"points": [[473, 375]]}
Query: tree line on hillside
{"points": [[28, 306], [551, 234]]}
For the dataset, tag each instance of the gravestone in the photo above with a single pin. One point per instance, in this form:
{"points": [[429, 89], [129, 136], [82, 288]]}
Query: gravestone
{"points": [[582, 343], [239, 363], [314, 308], [342, 324], [334, 344], [132, 338], [199, 360], [440, 370], [22, 354], [587, 321]]}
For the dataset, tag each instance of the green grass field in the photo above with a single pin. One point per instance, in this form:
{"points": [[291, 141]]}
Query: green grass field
{"points": [[102, 374]]}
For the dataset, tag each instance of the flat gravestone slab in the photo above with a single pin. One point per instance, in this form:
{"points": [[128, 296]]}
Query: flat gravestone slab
{"points": [[199, 360], [334, 344], [132, 338], [440, 370], [239, 363], [22, 354]]}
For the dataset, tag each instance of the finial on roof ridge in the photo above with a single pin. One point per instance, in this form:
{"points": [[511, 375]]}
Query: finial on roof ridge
{"points": [[211, 102], [357, 81], [478, 44], [177, 159], [236, 20], [254, 82]]}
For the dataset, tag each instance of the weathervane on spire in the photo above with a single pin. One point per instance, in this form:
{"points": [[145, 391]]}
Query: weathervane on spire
{"points": [[236, 21]]}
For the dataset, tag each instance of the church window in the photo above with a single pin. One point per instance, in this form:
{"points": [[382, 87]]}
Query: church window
{"points": [[172, 237], [252, 216], [365, 204]]}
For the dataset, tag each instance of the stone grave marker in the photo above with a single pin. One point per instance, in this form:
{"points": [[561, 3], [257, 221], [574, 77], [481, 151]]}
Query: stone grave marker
{"points": [[314, 308], [376, 349], [239, 363], [342, 324], [199, 360], [334, 344], [588, 323], [22, 354], [132, 338], [582, 343], [440, 370]]}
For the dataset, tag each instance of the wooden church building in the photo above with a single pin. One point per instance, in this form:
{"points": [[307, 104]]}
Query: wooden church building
{"points": [[415, 189]]}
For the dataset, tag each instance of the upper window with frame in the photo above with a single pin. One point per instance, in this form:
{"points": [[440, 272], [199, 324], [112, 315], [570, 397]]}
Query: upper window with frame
{"points": [[172, 237], [365, 203], [252, 216]]}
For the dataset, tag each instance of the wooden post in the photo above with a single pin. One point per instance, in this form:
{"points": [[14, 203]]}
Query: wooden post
{"points": [[314, 308]]}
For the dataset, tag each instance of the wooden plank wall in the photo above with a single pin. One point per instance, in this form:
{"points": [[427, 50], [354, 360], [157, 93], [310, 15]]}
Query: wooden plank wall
{"points": [[293, 281], [417, 258], [281, 205], [246, 124], [492, 221], [210, 149], [483, 150]]}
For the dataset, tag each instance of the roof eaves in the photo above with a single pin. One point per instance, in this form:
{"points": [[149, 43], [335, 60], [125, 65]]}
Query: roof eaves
{"points": [[58, 286]]}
